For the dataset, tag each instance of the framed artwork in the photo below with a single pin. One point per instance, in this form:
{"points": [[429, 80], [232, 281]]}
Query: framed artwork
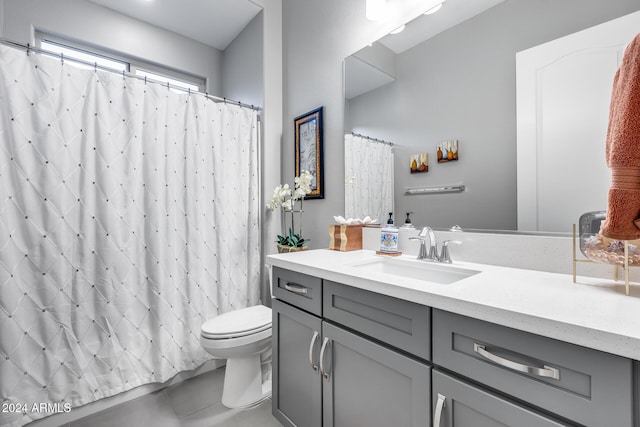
{"points": [[308, 146], [419, 163], [448, 151]]}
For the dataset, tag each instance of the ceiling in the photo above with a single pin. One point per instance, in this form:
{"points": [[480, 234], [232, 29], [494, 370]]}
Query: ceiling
{"points": [[212, 22], [217, 22], [452, 13], [363, 74]]}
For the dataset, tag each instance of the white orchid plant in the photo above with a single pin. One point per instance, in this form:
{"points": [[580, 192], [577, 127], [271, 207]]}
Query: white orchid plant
{"points": [[286, 199]]}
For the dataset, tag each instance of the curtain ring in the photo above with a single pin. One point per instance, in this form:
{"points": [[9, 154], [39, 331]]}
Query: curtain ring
{"points": [[145, 80], [62, 58], [95, 66], [28, 47]]}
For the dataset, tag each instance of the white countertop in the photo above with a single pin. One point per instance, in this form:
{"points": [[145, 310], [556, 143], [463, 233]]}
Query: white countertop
{"points": [[594, 313]]}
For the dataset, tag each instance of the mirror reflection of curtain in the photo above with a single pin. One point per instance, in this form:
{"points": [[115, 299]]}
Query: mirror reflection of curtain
{"points": [[368, 178]]}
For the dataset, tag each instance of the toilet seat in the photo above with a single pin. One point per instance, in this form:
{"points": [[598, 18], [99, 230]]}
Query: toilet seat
{"points": [[238, 323]]}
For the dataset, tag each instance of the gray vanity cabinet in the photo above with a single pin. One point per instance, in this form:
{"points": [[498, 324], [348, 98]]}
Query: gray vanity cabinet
{"points": [[459, 404], [326, 374], [347, 357], [297, 385]]}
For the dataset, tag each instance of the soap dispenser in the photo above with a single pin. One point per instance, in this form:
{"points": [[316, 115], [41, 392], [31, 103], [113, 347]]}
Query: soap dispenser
{"points": [[389, 237], [407, 223]]}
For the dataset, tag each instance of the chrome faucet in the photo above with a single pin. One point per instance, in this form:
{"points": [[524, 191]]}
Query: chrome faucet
{"points": [[433, 250], [433, 242], [432, 255]]}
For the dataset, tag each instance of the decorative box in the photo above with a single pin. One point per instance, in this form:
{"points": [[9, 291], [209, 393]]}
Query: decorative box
{"points": [[345, 237]]}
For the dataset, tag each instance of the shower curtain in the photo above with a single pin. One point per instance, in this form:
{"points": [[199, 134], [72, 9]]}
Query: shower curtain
{"points": [[128, 216], [368, 178]]}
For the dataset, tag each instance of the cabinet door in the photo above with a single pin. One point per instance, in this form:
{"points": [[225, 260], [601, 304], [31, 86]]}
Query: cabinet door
{"points": [[365, 384], [297, 386], [458, 404]]}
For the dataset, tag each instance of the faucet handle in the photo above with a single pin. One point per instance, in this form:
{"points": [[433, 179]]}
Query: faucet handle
{"points": [[422, 253], [444, 254]]}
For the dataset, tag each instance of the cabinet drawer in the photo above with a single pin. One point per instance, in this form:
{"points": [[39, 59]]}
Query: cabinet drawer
{"points": [[458, 404], [401, 324], [581, 384], [300, 290]]}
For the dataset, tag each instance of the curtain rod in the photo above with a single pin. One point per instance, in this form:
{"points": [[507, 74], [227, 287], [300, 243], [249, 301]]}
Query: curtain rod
{"points": [[373, 139], [28, 48]]}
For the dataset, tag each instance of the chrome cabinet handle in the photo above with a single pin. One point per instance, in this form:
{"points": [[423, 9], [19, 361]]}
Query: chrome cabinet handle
{"points": [[545, 371], [313, 342], [296, 288], [437, 415], [323, 371]]}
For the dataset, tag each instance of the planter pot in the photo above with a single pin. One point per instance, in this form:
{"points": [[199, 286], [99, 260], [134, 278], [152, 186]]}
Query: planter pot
{"points": [[283, 249]]}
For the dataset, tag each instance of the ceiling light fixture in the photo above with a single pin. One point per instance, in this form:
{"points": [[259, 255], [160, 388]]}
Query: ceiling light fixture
{"points": [[375, 9], [398, 30], [434, 9]]}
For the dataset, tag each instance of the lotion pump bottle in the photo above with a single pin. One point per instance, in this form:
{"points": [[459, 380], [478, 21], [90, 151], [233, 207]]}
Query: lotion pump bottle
{"points": [[389, 236]]}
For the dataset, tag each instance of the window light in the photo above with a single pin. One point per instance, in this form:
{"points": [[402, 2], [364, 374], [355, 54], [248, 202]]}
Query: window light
{"points": [[87, 57], [180, 84]]}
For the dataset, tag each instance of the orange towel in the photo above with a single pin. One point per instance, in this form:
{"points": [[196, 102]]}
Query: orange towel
{"points": [[623, 149]]}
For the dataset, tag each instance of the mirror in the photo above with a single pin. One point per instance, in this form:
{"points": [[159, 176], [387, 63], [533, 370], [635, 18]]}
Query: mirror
{"points": [[457, 82]]}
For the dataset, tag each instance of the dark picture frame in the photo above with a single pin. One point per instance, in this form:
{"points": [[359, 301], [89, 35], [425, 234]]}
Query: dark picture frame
{"points": [[309, 150]]}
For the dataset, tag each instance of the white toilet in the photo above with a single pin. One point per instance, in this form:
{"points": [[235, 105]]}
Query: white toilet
{"points": [[240, 336]]}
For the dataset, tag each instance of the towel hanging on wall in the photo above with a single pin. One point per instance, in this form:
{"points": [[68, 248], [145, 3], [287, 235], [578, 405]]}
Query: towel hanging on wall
{"points": [[623, 149]]}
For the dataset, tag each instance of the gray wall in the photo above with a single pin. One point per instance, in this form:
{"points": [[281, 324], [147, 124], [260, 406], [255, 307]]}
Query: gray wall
{"points": [[89, 23], [319, 35], [242, 65], [461, 85]]}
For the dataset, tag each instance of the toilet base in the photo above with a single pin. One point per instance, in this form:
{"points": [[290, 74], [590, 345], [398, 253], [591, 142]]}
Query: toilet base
{"points": [[243, 386]]}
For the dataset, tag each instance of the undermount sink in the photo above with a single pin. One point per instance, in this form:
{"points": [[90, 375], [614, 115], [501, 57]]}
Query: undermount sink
{"points": [[419, 270]]}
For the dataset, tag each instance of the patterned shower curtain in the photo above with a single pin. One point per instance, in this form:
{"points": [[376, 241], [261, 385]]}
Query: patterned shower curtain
{"points": [[128, 216], [368, 178]]}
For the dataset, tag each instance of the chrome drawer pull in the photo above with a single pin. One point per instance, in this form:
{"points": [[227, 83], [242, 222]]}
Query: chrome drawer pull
{"points": [[296, 289], [437, 415], [546, 371], [324, 373], [313, 341]]}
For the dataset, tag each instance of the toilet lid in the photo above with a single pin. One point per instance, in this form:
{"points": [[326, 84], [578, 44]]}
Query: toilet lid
{"points": [[238, 323]]}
